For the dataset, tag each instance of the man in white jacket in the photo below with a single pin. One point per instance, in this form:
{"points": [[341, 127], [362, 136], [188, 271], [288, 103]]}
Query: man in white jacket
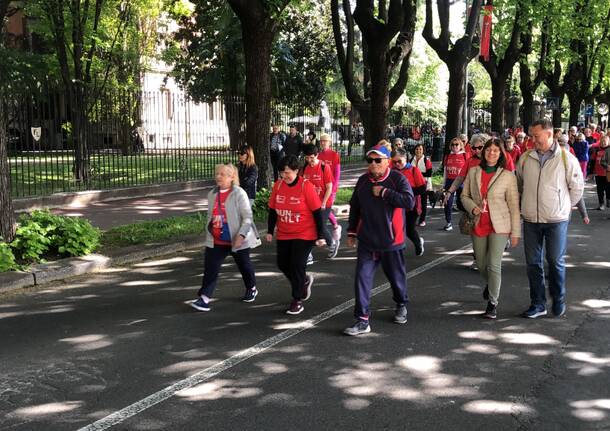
{"points": [[551, 183]]}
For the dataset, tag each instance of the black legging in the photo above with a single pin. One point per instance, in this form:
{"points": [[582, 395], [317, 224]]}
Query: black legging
{"points": [[410, 220], [292, 260], [603, 188], [424, 207]]}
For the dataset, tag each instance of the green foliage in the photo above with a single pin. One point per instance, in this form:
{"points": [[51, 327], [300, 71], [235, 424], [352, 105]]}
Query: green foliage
{"points": [[154, 231], [260, 207], [33, 236], [42, 234], [7, 258], [344, 194], [75, 237], [208, 57]]}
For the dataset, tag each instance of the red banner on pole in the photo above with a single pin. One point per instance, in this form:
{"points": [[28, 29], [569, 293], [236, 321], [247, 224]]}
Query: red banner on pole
{"points": [[486, 33]]}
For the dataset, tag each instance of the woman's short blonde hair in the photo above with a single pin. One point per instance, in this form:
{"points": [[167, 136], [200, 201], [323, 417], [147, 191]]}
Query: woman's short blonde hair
{"points": [[385, 144], [230, 168]]}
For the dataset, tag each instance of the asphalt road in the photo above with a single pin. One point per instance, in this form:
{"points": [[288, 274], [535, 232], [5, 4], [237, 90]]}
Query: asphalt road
{"points": [[75, 353]]}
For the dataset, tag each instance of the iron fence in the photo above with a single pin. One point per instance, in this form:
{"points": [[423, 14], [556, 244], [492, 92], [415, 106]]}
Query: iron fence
{"points": [[143, 138]]}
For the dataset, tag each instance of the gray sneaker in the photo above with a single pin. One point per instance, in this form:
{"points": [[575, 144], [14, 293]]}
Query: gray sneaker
{"points": [[358, 328], [333, 249], [310, 259], [400, 315]]}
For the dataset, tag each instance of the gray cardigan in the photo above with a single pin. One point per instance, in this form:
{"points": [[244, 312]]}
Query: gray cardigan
{"points": [[239, 218]]}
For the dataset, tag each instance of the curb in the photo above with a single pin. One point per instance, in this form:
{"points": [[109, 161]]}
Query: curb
{"points": [[74, 266]]}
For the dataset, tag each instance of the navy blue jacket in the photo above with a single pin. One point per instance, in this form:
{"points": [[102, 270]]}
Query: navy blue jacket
{"points": [[379, 221], [247, 179]]}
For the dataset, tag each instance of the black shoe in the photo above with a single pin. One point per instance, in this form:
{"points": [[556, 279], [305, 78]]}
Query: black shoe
{"points": [[490, 311], [486, 293]]}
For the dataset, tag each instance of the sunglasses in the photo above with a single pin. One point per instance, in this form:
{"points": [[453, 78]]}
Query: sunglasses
{"points": [[455, 145], [397, 162], [377, 160], [477, 148]]}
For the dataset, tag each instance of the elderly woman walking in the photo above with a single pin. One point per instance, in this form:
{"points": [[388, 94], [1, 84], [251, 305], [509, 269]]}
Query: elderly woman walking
{"points": [[491, 196], [230, 231]]}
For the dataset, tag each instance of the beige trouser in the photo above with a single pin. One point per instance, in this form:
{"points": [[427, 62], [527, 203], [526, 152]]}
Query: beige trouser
{"points": [[488, 253]]}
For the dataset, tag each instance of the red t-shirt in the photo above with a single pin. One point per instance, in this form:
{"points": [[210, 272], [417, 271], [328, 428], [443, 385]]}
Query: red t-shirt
{"points": [[415, 179], [514, 154], [596, 136], [599, 170], [294, 207], [528, 144], [319, 177], [219, 216], [454, 162], [484, 226], [468, 149]]}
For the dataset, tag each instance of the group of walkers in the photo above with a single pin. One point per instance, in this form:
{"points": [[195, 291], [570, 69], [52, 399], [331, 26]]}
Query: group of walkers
{"points": [[501, 182]]}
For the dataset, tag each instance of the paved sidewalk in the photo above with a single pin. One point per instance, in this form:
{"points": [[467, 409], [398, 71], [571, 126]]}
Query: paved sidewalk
{"points": [[106, 215]]}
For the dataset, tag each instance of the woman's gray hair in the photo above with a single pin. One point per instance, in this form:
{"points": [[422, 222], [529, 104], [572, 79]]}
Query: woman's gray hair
{"points": [[478, 138]]}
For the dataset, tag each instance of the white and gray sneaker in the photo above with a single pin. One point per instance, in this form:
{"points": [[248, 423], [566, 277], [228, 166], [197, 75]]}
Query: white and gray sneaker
{"points": [[358, 328], [310, 259], [400, 315], [333, 249]]}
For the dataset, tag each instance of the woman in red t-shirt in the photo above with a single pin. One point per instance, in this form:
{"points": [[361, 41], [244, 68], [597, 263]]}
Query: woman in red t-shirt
{"points": [[491, 196], [294, 209], [418, 184], [601, 181], [453, 163], [423, 163]]}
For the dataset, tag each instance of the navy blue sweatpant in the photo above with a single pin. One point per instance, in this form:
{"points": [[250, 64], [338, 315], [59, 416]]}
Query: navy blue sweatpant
{"points": [[393, 265], [214, 257]]}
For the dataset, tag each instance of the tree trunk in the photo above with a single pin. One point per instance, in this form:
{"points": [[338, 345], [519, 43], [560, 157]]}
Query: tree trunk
{"points": [[498, 103], [575, 103], [79, 137], [7, 215], [527, 93], [257, 50], [235, 113], [456, 101], [380, 101]]}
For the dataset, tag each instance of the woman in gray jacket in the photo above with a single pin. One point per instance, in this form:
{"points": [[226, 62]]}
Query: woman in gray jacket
{"points": [[230, 230]]}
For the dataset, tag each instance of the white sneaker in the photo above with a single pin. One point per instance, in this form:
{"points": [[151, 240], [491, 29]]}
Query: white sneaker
{"points": [[333, 249], [337, 233], [421, 247], [310, 259], [448, 227]]}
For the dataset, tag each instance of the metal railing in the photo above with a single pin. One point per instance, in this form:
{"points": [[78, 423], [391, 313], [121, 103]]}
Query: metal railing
{"points": [[152, 138]]}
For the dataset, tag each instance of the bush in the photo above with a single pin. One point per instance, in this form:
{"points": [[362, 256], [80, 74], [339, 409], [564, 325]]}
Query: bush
{"points": [[260, 207], [42, 233], [7, 258]]}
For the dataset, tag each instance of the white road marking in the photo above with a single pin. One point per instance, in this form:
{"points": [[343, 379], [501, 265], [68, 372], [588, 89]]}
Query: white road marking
{"points": [[214, 370]]}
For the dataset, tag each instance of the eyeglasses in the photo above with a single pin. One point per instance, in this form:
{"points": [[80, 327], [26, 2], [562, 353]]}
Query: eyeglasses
{"points": [[377, 160]]}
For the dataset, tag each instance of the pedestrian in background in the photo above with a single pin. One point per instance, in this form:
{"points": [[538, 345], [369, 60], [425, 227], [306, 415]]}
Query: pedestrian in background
{"points": [[333, 161], [230, 231], [248, 172], [423, 163], [581, 150], [418, 185], [551, 183], [453, 164], [376, 225], [276, 148], [294, 209], [491, 196]]}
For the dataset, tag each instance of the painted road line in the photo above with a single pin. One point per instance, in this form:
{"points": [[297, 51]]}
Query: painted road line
{"points": [[214, 370]]}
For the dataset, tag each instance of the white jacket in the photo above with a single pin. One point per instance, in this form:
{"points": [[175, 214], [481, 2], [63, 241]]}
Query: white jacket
{"points": [[549, 193], [239, 218]]}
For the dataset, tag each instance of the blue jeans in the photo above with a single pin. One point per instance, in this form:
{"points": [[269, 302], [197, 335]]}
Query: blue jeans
{"points": [[553, 237], [449, 206]]}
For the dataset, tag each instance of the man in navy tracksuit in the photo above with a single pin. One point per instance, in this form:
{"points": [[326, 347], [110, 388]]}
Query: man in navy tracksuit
{"points": [[376, 220]]}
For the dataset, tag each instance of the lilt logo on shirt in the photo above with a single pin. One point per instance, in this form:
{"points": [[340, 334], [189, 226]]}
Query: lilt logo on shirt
{"points": [[287, 216], [280, 199]]}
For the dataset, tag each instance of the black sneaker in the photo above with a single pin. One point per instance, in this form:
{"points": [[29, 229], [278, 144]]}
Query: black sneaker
{"points": [[534, 312], [358, 328], [307, 287], [486, 293], [400, 315], [200, 305], [250, 295], [490, 311], [296, 307]]}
